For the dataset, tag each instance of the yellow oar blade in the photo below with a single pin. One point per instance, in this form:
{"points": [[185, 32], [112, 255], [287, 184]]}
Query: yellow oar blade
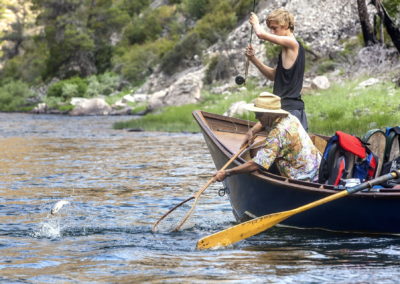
{"points": [[243, 230], [258, 225]]}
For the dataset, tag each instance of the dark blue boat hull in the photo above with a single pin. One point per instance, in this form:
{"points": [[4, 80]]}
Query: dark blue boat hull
{"points": [[257, 194]]}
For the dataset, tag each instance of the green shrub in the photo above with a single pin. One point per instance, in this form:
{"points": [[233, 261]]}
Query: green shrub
{"points": [[103, 84], [325, 66], [56, 103], [66, 89], [137, 62], [68, 57], [15, 96], [195, 8], [189, 46], [352, 45], [393, 8], [243, 8], [134, 7], [150, 25], [219, 68], [28, 66], [215, 25]]}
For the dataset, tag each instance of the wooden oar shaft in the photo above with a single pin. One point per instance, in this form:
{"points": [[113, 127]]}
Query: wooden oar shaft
{"points": [[154, 229], [196, 196], [210, 181]]}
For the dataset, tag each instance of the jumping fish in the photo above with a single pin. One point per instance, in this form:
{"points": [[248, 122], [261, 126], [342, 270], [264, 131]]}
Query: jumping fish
{"points": [[58, 206]]}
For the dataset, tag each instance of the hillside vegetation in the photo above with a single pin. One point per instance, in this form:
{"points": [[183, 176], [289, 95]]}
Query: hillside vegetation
{"points": [[54, 50]]}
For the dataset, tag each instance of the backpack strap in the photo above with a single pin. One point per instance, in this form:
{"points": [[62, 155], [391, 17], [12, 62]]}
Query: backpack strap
{"points": [[323, 171], [336, 163]]}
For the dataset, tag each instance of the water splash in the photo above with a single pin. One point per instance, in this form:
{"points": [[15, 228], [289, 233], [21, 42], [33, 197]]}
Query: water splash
{"points": [[50, 228]]}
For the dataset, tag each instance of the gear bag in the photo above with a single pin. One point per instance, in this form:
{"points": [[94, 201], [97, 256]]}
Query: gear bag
{"points": [[346, 156]]}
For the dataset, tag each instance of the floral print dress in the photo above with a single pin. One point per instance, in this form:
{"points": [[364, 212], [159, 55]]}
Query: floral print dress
{"points": [[289, 145]]}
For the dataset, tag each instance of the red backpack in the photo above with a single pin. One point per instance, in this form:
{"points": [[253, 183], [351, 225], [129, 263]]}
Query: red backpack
{"points": [[346, 156]]}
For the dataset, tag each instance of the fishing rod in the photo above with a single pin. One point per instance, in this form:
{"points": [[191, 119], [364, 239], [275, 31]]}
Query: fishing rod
{"points": [[240, 80]]}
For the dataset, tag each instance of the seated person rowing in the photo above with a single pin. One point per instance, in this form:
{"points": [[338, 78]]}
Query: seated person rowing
{"points": [[287, 143]]}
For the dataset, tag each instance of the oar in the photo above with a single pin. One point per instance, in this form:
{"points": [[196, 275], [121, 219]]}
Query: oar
{"points": [[260, 224], [196, 196]]}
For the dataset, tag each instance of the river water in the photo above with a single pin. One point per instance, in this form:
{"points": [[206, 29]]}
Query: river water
{"points": [[118, 183]]}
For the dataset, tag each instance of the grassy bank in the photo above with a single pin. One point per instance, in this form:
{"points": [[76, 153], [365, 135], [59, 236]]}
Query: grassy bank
{"points": [[179, 118], [344, 106], [352, 109]]}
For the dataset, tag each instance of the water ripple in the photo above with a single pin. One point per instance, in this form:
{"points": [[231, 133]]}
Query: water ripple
{"points": [[118, 184]]}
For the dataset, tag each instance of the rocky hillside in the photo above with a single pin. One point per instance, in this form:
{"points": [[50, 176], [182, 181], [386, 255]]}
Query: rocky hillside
{"points": [[325, 26]]}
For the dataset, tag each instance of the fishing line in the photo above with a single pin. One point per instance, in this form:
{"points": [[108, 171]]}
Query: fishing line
{"points": [[240, 80]]}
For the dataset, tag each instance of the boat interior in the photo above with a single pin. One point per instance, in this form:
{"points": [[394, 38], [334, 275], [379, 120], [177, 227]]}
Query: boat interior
{"points": [[231, 133]]}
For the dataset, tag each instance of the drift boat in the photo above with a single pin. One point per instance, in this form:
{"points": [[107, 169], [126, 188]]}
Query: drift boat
{"points": [[264, 192]]}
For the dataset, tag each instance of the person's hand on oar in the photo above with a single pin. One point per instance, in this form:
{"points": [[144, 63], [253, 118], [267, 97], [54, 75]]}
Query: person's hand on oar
{"points": [[252, 134], [221, 175], [249, 166], [255, 226]]}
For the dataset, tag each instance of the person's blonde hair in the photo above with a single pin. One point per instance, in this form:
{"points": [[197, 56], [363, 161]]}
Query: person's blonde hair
{"points": [[282, 17]]}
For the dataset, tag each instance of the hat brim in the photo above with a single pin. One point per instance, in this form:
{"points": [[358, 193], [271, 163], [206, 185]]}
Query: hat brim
{"points": [[251, 107]]}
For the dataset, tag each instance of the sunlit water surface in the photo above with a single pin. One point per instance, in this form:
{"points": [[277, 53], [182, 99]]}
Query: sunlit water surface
{"points": [[118, 184]]}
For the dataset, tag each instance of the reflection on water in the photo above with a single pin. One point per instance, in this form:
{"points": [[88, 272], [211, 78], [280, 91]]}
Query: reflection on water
{"points": [[118, 183]]}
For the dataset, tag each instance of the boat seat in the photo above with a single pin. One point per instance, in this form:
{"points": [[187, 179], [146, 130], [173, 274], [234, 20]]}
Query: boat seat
{"points": [[392, 148], [375, 139], [319, 142]]}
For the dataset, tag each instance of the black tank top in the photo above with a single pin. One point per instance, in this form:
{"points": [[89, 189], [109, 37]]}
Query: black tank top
{"points": [[289, 82]]}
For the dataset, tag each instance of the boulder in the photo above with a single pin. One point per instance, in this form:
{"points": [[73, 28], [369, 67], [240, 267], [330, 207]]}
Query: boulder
{"points": [[320, 83], [368, 83], [136, 98], [236, 109], [121, 111], [156, 100], [95, 106], [186, 90], [40, 108]]}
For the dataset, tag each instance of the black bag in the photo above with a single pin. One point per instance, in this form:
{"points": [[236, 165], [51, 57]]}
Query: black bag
{"points": [[389, 167]]}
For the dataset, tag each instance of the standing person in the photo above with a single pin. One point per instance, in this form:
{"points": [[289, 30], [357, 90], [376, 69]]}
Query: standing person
{"points": [[287, 143], [288, 75]]}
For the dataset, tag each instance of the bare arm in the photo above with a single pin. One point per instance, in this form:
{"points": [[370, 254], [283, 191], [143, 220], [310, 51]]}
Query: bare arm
{"points": [[247, 167], [250, 134], [284, 41], [267, 71]]}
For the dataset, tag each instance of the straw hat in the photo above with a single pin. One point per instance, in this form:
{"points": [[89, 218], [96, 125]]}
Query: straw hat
{"points": [[266, 102]]}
